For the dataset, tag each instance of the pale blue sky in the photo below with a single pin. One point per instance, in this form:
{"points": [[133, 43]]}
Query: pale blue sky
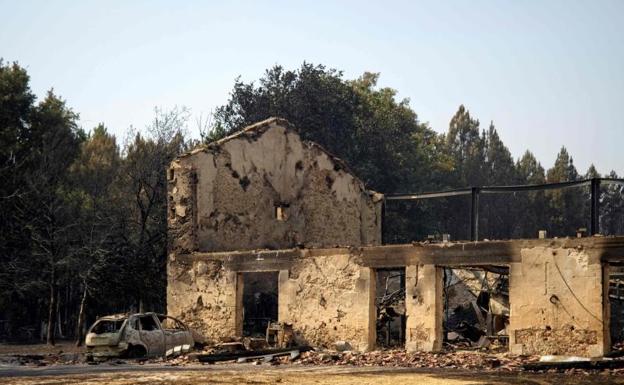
{"points": [[549, 73]]}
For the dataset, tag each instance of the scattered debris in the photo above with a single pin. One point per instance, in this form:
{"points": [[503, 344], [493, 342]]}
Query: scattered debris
{"points": [[400, 358], [390, 304], [280, 335], [244, 356], [476, 303], [342, 346]]}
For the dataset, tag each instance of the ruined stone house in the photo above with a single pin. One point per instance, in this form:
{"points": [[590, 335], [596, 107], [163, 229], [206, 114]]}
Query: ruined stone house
{"points": [[265, 226]]}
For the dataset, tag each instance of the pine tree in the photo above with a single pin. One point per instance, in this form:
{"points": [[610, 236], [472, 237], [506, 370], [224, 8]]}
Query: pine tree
{"points": [[567, 210], [612, 208], [498, 211], [533, 205]]}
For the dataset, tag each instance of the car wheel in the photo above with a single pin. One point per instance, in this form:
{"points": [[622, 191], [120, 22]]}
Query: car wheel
{"points": [[136, 352]]}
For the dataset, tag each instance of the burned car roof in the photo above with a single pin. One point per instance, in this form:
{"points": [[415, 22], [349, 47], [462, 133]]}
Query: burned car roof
{"points": [[114, 317]]}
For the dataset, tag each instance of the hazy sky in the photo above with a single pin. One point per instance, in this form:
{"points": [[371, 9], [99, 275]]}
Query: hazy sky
{"points": [[548, 73]]}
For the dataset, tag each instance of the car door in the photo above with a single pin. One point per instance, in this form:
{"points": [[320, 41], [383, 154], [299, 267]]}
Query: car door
{"points": [[151, 335], [176, 335]]}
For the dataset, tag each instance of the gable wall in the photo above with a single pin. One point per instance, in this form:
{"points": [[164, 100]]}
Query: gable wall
{"points": [[231, 192]]}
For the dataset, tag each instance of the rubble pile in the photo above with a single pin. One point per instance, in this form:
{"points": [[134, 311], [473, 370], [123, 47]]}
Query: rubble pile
{"points": [[400, 358]]}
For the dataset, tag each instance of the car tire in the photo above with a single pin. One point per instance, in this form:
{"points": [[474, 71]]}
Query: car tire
{"points": [[136, 352]]}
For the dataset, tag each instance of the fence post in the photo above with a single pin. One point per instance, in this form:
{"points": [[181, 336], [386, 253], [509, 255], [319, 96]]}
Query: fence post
{"points": [[594, 224], [383, 220], [474, 214]]}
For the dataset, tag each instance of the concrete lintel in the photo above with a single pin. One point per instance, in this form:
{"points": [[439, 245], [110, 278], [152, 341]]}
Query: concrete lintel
{"points": [[478, 253], [484, 252], [606, 249]]}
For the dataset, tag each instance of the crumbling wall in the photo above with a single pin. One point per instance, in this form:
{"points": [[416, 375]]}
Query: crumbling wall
{"points": [[242, 180], [556, 302], [204, 295], [182, 226], [329, 298]]}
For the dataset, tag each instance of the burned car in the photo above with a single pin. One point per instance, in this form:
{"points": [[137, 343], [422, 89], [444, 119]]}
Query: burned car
{"points": [[137, 335]]}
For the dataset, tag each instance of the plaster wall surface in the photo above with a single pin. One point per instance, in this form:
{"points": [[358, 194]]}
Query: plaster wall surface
{"points": [[556, 299], [231, 191], [206, 296], [327, 299], [423, 307]]}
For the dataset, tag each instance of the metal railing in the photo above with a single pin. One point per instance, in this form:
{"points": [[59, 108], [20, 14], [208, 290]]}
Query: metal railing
{"points": [[475, 192]]}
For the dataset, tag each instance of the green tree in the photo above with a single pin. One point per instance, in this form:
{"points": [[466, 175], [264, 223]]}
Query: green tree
{"points": [[94, 173], [532, 204], [567, 212], [612, 208], [467, 147], [464, 147], [498, 211]]}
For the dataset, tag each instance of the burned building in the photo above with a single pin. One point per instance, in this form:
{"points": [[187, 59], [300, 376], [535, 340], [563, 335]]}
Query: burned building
{"points": [[265, 227]]}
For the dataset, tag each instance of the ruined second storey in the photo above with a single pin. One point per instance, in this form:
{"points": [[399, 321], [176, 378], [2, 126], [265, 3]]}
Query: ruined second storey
{"points": [[266, 188]]}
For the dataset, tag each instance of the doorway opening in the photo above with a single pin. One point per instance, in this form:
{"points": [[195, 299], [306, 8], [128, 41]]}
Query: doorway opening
{"points": [[260, 300], [390, 304], [476, 307], [616, 305]]}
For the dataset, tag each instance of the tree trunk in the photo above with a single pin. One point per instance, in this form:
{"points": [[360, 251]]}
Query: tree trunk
{"points": [[59, 321], [52, 310], [81, 316]]}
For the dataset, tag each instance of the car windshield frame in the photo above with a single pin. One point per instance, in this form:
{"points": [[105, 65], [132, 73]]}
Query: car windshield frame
{"points": [[105, 326]]}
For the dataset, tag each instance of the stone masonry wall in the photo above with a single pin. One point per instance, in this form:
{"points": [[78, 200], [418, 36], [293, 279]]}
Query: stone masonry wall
{"points": [[555, 294], [327, 299], [423, 307], [231, 190], [204, 295], [556, 303]]}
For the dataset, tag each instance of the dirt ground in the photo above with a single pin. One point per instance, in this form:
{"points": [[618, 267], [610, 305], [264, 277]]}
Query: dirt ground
{"points": [[61, 365], [61, 346], [250, 374]]}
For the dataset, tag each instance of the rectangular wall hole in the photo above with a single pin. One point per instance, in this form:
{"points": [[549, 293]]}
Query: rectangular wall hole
{"points": [[616, 304], [260, 300], [476, 308], [390, 304]]}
